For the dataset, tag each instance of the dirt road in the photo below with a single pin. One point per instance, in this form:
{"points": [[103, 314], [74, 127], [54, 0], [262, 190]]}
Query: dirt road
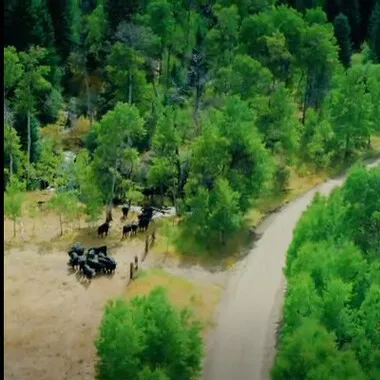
{"points": [[242, 345]]}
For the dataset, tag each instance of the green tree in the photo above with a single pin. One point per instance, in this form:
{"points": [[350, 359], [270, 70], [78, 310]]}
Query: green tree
{"points": [[342, 33], [116, 11], [13, 68], [97, 26], [161, 18], [222, 40], [12, 148], [361, 197], [49, 165], [125, 72], [32, 82], [131, 336], [373, 86], [117, 132], [245, 77], [225, 216], [14, 198], [318, 139], [89, 194], [66, 18], [162, 174], [279, 124], [66, 206], [166, 166], [349, 8], [350, 110], [317, 60], [375, 31]]}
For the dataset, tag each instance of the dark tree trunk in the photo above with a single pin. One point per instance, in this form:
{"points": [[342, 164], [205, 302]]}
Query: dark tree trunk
{"points": [[129, 87], [60, 224], [29, 147]]}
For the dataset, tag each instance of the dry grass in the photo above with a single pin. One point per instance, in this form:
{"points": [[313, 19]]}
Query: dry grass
{"points": [[298, 185], [375, 142], [200, 298]]}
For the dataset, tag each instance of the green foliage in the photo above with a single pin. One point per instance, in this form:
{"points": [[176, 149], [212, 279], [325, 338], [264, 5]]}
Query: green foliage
{"points": [[33, 79], [89, 194], [125, 72], [12, 150], [245, 77], [350, 110], [187, 98], [147, 338], [66, 205], [375, 31], [49, 165], [278, 123], [331, 310], [117, 132], [14, 198], [342, 33], [12, 68]]}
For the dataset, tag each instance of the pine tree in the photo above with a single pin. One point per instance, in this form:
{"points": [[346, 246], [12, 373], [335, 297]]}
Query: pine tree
{"points": [[375, 31], [350, 8], [342, 32], [66, 16], [117, 11]]}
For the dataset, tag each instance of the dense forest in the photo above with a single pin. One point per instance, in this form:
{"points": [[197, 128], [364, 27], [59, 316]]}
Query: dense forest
{"points": [[332, 306], [203, 104]]}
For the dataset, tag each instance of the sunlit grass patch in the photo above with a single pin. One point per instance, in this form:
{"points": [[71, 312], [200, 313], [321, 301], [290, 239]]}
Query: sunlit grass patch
{"points": [[200, 298]]}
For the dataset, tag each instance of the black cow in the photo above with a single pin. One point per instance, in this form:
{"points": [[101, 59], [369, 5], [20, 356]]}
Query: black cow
{"points": [[109, 264], [103, 229], [144, 224], [98, 250], [134, 228], [88, 272], [74, 260], [125, 211], [82, 263], [77, 248], [126, 230], [96, 265]]}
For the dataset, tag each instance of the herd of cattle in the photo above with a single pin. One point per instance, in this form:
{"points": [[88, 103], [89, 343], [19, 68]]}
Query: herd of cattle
{"points": [[144, 220], [92, 262]]}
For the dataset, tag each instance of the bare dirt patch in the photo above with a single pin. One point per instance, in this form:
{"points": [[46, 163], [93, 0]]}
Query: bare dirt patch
{"points": [[52, 318]]}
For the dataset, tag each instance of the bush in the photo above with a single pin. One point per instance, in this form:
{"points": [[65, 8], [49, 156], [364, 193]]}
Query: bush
{"points": [[147, 338], [76, 135], [281, 179]]}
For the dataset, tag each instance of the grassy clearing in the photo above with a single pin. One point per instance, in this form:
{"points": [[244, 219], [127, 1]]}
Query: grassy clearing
{"points": [[200, 298]]}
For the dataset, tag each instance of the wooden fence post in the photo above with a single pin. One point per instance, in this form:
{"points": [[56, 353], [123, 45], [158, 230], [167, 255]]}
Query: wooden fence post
{"points": [[136, 263]]}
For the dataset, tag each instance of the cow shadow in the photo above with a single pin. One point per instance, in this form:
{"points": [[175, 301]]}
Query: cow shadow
{"points": [[81, 279]]}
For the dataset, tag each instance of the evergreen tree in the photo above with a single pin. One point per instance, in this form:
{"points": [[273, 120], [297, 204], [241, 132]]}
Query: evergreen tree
{"points": [[375, 31], [66, 16], [117, 11], [350, 8], [342, 33]]}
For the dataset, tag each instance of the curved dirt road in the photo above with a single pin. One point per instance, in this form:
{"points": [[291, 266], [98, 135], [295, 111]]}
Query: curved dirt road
{"points": [[242, 345]]}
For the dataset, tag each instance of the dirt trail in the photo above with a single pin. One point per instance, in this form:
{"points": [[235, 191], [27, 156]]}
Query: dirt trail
{"points": [[243, 343]]}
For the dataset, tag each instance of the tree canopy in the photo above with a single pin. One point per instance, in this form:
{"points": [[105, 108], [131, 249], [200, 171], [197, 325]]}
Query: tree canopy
{"points": [[148, 338], [332, 298]]}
